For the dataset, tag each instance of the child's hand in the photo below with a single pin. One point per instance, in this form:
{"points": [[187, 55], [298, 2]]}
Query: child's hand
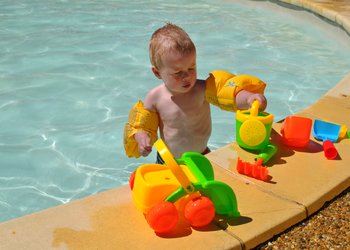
{"points": [[144, 143], [260, 98], [245, 99]]}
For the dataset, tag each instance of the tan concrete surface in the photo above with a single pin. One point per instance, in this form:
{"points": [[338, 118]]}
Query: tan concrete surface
{"points": [[108, 221], [336, 11], [262, 215], [302, 180]]}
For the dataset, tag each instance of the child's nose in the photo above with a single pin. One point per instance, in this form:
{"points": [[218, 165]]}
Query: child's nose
{"points": [[185, 74]]}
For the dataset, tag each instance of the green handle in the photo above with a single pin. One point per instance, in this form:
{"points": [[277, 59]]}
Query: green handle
{"points": [[269, 151]]}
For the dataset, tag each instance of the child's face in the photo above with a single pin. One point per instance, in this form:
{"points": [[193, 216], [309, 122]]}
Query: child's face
{"points": [[178, 72]]}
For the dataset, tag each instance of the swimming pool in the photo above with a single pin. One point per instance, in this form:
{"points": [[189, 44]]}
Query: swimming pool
{"points": [[70, 71]]}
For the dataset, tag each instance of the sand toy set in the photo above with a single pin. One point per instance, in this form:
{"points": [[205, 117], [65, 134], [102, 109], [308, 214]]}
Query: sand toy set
{"points": [[186, 186], [253, 129]]}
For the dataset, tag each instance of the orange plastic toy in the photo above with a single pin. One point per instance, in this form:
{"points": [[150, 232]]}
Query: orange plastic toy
{"points": [[257, 170], [184, 185], [330, 152], [296, 131]]}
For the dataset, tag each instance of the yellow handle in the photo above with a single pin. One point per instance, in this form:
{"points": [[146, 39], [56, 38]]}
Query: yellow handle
{"points": [[254, 110], [343, 132], [174, 167]]}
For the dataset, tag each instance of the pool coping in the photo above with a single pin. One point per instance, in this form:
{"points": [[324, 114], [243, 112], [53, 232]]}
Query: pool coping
{"points": [[336, 11], [109, 220]]}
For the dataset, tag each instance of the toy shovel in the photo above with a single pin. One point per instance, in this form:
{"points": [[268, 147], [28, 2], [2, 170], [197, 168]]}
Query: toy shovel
{"points": [[328, 133]]}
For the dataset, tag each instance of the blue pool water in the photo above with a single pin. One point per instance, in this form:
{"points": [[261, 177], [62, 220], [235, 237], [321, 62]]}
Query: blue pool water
{"points": [[71, 70]]}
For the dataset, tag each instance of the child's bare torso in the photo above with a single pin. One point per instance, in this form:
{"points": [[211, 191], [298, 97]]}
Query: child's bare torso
{"points": [[185, 120]]}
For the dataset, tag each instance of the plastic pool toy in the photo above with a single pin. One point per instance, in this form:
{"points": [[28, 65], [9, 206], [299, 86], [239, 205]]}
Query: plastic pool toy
{"points": [[257, 170], [323, 130], [184, 185], [329, 150], [329, 133], [266, 154], [296, 131], [253, 128]]}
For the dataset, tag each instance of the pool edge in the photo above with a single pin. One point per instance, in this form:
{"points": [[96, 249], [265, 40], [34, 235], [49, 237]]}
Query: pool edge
{"points": [[335, 11]]}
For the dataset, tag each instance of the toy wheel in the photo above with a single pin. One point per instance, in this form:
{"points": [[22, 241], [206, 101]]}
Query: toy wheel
{"points": [[199, 211], [132, 180], [163, 217]]}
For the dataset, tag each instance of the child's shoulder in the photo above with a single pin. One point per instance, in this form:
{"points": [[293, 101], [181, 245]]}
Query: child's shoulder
{"points": [[155, 93], [152, 97], [156, 90]]}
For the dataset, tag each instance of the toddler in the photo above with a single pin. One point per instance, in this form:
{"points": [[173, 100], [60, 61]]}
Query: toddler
{"points": [[179, 106]]}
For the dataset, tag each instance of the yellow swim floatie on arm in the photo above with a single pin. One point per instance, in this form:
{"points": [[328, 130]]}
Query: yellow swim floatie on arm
{"points": [[222, 88], [140, 119]]}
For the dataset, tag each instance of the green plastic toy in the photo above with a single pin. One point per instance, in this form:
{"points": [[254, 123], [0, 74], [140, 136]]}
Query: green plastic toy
{"points": [[183, 185], [253, 130]]}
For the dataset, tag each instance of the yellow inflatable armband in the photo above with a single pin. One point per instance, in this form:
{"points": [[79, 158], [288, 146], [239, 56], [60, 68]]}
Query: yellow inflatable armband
{"points": [[140, 119], [222, 88]]}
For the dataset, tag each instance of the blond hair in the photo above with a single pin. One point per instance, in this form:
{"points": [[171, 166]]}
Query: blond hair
{"points": [[169, 39]]}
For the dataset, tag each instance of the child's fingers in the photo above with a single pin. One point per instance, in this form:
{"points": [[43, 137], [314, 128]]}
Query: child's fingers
{"points": [[146, 147], [260, 98], [144, 151]]}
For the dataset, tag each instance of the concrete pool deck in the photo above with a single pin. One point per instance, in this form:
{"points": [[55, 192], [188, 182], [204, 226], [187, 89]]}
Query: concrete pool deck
{"points": [[335, 11], [302, 181]]}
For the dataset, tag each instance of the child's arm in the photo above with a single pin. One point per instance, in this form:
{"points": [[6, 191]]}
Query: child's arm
{"points": [[140, 132], [231, 92], [143, 139]]}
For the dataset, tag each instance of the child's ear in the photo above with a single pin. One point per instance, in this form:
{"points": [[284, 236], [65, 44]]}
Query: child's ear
{"points": [[156, 72]]}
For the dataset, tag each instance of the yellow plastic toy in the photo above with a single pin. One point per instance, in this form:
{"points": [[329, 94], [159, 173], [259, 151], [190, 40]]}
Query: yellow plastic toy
{"points": [[253, 128], [183, 185]]}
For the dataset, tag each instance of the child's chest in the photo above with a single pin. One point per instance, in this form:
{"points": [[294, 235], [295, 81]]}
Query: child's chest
{"points": [[189, 110]]}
